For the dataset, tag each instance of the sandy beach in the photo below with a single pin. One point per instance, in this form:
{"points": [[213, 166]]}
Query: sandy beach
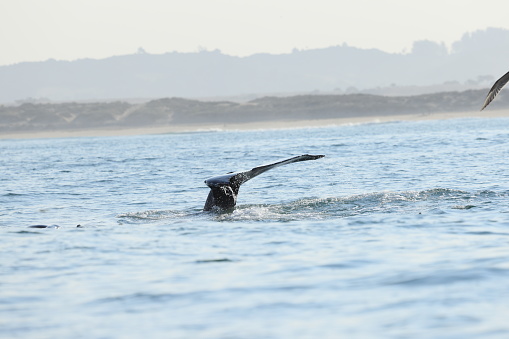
{"points": [[274, 124]]}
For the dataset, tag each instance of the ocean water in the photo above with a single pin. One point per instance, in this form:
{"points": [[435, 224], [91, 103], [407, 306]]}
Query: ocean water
{"points": [[401, 231]]}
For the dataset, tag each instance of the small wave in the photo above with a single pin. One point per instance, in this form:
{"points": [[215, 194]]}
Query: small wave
{"points": [[429, 201], [27, 232], [136, 298], [463, 207], [209, 130], [209, 261], [151, 215], [13, 194], [438, 278]]}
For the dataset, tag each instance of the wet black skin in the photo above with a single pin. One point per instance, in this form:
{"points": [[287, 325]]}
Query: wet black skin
{"points": [[224, 189]]}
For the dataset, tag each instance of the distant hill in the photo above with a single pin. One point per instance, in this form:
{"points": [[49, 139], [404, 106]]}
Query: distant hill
{"points": [[475, 60], [177, 111]]}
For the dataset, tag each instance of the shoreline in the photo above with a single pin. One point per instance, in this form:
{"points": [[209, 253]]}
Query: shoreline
{"points": [[262, 125]]}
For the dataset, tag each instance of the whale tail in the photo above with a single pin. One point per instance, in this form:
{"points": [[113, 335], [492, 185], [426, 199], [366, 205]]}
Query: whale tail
{"points": [[225, 188]]}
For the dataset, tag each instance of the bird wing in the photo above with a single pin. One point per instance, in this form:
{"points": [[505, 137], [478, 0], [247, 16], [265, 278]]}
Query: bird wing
{"points": [[497, 86]]}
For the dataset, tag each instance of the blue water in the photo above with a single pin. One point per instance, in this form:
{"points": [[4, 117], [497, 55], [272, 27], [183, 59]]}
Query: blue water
{"points": [[401, 231]]}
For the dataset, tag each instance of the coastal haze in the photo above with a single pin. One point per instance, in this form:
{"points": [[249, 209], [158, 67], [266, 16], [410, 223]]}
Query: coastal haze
{"points": [[473, 61], [209, 89]]}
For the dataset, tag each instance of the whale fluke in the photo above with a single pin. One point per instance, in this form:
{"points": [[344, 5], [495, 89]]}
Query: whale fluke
{"points": [[497, 86], [225, 188]]}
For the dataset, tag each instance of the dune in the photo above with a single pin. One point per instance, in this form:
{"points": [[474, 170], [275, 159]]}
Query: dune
{"points": [[258, 125]]}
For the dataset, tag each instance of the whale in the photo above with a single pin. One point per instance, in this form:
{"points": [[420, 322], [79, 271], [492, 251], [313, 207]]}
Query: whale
{"points": [[497, 86], [224, 189]]}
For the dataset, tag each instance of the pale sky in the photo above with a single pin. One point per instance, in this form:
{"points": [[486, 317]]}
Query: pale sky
{"points": [[37, 30]]}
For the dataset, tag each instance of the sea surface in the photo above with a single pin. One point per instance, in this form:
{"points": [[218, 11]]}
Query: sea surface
{"points": [[400, 231]]}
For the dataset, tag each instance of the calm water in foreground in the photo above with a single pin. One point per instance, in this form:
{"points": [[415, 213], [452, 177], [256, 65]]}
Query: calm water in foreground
{"points": [[401, 231]]}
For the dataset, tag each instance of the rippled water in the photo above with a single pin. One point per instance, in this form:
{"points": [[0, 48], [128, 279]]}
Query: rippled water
{"points": [[401, 231]]}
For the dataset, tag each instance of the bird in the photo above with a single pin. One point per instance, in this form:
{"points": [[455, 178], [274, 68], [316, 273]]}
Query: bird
{"points": [[497, 86]]}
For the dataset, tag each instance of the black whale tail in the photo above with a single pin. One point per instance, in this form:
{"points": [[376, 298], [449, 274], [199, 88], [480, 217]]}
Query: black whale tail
{"points": [[225, 188]]}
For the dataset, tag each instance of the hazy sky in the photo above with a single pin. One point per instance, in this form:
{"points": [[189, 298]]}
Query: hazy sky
{"points": [[34, 30]]}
